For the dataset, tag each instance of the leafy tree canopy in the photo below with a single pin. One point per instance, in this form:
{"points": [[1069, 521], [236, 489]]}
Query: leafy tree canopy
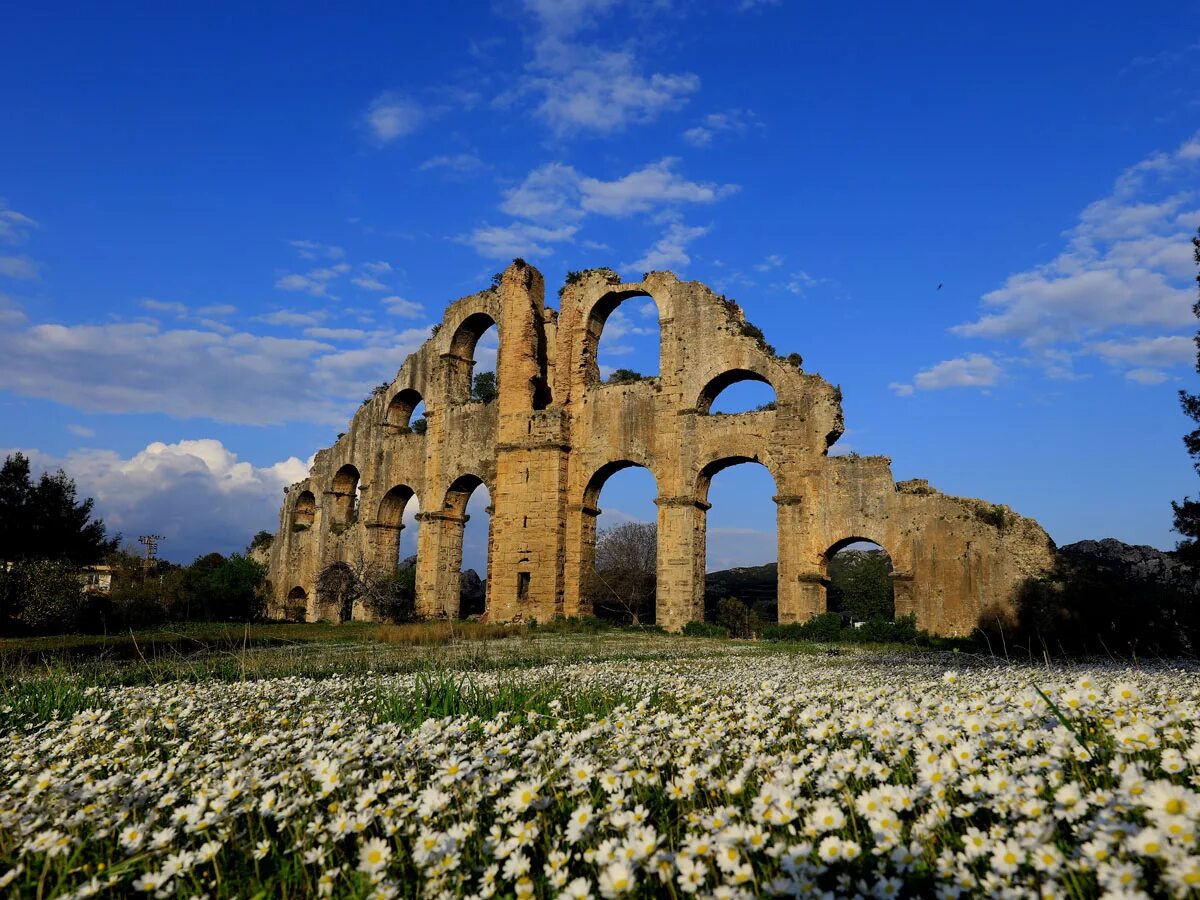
{"points": [[484, 387], [1187, 511], [45, 519]]}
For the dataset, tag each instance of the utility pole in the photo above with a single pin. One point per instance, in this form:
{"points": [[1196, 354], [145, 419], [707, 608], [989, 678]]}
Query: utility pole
{"points": [[151, 543]]}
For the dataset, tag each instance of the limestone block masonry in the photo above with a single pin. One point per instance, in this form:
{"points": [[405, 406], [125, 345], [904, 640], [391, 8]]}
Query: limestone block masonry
{"points": [[555, 433]]}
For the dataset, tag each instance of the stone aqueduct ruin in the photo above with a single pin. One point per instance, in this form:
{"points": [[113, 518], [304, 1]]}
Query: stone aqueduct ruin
{"points": [[545, 447]]}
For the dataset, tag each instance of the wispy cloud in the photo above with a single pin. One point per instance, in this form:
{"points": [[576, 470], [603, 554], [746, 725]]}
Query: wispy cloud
{"points": [[1123, 278], [457, 164], [731, 121], [589, 87], [669, 251], [391, 116]]}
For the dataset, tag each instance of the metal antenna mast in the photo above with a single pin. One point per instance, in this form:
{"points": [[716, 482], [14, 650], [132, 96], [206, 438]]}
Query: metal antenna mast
{"points": [[151, 542]]}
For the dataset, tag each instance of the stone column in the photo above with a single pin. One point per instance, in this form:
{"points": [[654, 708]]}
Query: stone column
{"points": [[794, 604], [904, 595], [580, 558], [680, 593], [383, 545], [439, 563]]}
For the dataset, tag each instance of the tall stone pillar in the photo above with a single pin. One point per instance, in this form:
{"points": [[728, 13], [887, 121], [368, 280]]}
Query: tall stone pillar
{"points": [[579, 558], [383, 545], [800, 596], [439, 563], [904, 595], [680, 593], [525, 572]]}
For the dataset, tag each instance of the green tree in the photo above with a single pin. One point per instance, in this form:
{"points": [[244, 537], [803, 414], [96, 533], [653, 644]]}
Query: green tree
{"points": [[46, 520], [484, 387], [262, 539], [225, 589], [1187, 511], [40, 595], [861, 585], [625, 376]]}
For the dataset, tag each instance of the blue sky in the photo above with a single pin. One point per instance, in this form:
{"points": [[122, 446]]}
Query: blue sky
{"points": [[221, 226]]}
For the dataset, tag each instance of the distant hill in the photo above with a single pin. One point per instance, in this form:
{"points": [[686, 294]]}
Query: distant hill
{"points": [[750, 584]]}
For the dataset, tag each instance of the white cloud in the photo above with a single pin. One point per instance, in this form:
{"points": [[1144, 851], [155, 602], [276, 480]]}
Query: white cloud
{"points": [[18, 267], [1147, 351], [177, 309], [1146, 376], [195, 492], [194, 372], [1126, 264], [317, 250], [368, 283], [974, 370], [218, 309], [586, 87], [81, 431], [656, 185], [732, 120], [773, 261], [14, 226], [517, 239], [556, 196], [405, 309], [292, 318], [669, 251], [459, 163], [391, 116], [901, 389], [315, 282]]}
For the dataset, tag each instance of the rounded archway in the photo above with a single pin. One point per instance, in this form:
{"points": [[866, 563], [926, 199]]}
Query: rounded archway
{"points": [[858, 581], [619, 579], [390, 523], [405, 410], [304, 511], [623, 341], [466, 518], [473, 350], [741, 544], [736, 391], [296, 607], [345, 495]]}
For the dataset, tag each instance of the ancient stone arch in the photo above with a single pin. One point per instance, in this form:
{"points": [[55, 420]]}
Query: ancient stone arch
{"points": [[544, 447]]}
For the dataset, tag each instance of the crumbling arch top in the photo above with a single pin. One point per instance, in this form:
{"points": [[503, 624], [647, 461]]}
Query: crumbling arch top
{"points": [[718, 383]]}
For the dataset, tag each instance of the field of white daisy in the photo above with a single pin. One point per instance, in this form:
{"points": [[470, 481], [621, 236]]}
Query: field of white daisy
{"points": [[607, 766]]}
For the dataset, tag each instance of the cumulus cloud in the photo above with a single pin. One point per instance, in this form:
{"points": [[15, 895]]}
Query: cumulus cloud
{"points": [[669, 251], [391, 116], [197, 372], [557, 198], [1125, 269], [405, 309], [195, 492], [585, 87], [517, 239], [973, 371]]}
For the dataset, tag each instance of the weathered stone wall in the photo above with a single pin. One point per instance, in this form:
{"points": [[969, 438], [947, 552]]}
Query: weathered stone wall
{"points": [[547, 444]]}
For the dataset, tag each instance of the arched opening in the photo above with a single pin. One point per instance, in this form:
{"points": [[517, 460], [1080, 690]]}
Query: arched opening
{"points": [[736, 391], [858, 582], [469, 508], [390, 524], [741, 549], [624, 339], [406, 412], [620, 544], [337, 589], [345, 495], [296, 607], [473, 351], [304, 512]]}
